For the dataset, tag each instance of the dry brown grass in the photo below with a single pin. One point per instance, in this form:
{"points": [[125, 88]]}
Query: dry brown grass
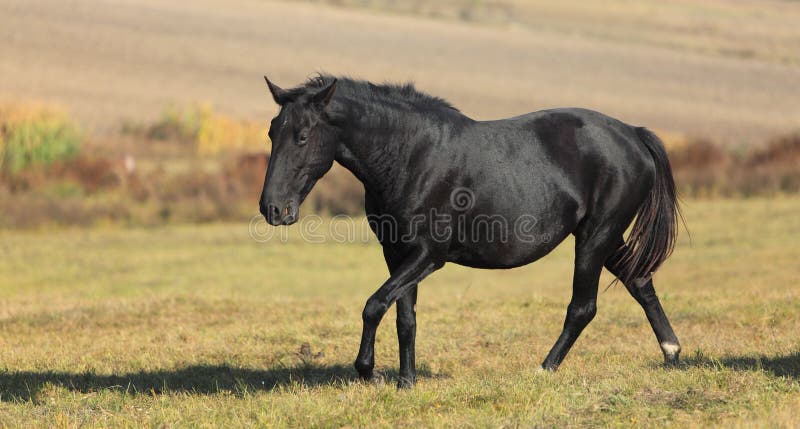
{"points": [[201, 326]]}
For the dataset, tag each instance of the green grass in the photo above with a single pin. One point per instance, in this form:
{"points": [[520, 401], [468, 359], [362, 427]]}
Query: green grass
{"points": [[33, 135], [203, 326]]}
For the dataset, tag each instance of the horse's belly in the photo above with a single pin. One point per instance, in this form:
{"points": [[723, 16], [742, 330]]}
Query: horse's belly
{"points": [[516, 246]]}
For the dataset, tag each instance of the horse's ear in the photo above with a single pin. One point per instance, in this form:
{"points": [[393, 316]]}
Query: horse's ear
{"points": [[278, 94], [324, 95]]}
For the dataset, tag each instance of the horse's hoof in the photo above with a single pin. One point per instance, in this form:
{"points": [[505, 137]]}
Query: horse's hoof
{"points": [[375, 378], [405, 383], [364, 370]]}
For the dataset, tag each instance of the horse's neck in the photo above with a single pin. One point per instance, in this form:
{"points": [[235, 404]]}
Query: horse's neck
{"points": [[374, 158], [377, 149]]}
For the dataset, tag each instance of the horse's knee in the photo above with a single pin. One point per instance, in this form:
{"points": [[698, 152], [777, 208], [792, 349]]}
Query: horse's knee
{"points": [[581, 314], [373, 312]]}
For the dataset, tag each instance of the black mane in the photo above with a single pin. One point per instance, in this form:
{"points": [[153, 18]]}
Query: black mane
{"points": [[386, 93]]}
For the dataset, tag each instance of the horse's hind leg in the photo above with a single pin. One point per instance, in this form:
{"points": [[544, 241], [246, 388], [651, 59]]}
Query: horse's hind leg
{"points": [[591, 252], [643, 292]]}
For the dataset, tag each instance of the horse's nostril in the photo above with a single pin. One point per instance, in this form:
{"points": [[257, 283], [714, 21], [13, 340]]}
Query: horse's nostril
{"points": [[274, 211]]}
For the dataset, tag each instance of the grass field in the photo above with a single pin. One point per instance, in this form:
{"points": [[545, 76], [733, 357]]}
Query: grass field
{"points": [[204, 326]]}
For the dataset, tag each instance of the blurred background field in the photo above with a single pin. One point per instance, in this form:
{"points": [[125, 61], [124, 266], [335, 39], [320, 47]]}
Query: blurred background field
{"points": [[145, 112], [133, 149], [723, 69]]}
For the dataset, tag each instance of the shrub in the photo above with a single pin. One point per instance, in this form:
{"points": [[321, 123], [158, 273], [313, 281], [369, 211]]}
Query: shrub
{"points": [[700, 166], [704, 168], [782, 149], [179, 124], [219, 134], [210, 133], [772, 168], [93, 173], [32, 135]]}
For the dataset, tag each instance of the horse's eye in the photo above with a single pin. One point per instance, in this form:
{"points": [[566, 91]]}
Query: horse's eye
{"points": [[303, 139]]}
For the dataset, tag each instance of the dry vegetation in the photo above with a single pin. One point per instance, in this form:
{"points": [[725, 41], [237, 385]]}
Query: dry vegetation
{"points": [[190, 166], [704, 168], [202, 326]]}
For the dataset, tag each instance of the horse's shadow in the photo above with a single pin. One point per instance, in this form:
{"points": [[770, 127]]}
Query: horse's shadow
{"points": [[780, 366], [209, 379], [196, 379]]}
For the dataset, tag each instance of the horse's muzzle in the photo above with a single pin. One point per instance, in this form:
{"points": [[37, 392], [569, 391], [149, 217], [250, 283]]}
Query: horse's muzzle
{"points": [[283, 214]]}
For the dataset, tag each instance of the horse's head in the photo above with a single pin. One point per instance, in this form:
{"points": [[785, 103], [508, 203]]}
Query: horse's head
{"points": [[303, 150]]}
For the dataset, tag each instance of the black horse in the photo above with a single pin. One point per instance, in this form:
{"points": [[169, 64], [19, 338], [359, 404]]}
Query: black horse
{"points": [[441, 187]]}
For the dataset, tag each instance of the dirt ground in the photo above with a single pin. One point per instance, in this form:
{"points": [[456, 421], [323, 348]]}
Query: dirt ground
{"points": [[127, 59]]}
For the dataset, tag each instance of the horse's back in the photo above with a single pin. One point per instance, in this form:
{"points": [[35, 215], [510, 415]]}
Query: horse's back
{"points": [[585, 146], [547, 169]]}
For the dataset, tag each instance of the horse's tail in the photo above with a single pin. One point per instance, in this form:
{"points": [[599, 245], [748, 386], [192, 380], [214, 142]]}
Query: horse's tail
{"points": [[652, 238]]}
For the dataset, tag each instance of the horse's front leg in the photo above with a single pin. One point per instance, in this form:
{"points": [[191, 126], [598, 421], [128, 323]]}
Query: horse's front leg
{"points": [[406, 322], [419, 263], [406, 337]]}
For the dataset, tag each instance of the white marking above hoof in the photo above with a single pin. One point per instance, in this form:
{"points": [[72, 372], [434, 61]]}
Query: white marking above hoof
{"points": [[670, 349], [540, 370]]}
